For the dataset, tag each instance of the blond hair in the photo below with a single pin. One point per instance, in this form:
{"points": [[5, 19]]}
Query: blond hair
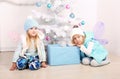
{"points": [[29, 43]]}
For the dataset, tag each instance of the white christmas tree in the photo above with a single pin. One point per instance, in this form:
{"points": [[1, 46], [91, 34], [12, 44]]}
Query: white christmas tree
{"points": [[54, 16], [56, 19]]}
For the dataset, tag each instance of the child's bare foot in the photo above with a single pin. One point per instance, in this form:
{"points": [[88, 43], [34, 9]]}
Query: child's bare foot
{"points": [[43, 64], [13, 67]]}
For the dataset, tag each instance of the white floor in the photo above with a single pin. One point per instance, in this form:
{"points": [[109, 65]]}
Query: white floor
{"points": [[111, 71]]}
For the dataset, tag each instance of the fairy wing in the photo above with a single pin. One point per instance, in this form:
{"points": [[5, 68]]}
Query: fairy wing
{"points": [[14, 36], [102, 41], [98, 31]]}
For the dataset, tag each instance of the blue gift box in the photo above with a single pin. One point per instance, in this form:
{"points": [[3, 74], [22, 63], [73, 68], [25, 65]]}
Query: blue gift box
{"points": [[59, 55]]}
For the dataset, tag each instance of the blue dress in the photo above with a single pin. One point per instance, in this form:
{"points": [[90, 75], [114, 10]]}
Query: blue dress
{"points": [[99, 53]]}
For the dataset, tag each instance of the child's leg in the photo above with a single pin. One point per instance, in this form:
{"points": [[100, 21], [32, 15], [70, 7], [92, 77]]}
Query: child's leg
{"points": [[86, 60], [21, 63], [34, 64], [94, 63]]}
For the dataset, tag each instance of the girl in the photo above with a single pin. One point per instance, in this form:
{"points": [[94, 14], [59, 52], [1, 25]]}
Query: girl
{"points": [[30, 52], [92, 52]]}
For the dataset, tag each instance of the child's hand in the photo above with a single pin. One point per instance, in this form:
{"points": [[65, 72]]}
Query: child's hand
{"points": [[79, 45], [43, 64], [13, 67]]}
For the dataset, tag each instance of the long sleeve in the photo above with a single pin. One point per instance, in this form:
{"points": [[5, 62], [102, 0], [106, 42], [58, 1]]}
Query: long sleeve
{"points": [[17, 52], [87, 50], [42, 52]]}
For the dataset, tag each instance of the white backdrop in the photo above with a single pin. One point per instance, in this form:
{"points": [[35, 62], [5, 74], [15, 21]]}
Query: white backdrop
{"points": [[109, 12], [12, 19]]}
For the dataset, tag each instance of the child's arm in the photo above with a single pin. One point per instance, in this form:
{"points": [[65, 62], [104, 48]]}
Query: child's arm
{"points": [[43, 55], [43, 64], [15, 57], [17, 52], [87, 50], [43, 52], [13, 67]]}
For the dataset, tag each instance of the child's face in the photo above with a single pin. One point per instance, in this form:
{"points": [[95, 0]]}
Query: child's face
{"points": [[78, 39], [33, 31]]}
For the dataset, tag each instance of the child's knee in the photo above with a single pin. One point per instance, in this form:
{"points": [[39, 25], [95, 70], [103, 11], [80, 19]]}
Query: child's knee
{"points": [[21, 63], [94, 63], [86, 61], [34, 65]]}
